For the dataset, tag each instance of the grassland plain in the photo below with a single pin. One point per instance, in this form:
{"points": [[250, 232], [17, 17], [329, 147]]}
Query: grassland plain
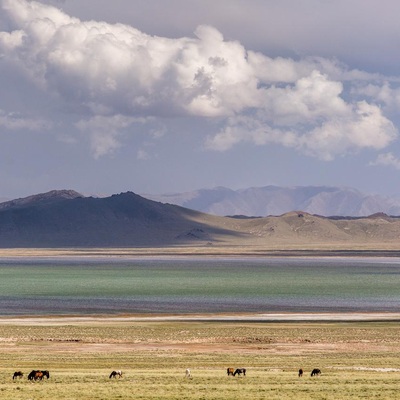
{"points": [[359, 360]]}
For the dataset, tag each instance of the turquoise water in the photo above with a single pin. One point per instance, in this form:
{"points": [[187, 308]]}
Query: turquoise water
{"points": [[194, 285]]}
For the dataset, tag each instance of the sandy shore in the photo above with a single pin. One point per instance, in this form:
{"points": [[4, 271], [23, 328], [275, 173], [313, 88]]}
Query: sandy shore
{"points": [[273, 317], [328, 250]]}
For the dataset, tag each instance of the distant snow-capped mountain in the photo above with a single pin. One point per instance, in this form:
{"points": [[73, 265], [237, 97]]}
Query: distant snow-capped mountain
{"points": [[275, 200]]}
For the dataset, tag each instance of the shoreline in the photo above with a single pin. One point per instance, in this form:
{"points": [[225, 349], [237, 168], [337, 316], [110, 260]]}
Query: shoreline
{"points": [[243, 318], [328, 251]]}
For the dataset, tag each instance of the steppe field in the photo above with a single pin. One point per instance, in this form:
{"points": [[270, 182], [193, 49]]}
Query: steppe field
{"points": [[358, 360]]}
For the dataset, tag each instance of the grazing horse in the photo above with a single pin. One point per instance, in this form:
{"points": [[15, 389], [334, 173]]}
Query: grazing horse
{"points": [[315, 372], [240, 371], [230, 371], [300, 373], [32, 375], [18, 374], [114, 374], [45, 374], [38, 375]]}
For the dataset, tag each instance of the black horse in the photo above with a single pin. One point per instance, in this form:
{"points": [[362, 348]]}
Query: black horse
{"points": [[315, 372], [18, 374], [300, 373], [45, 374], [240, 371], [32, 375]]}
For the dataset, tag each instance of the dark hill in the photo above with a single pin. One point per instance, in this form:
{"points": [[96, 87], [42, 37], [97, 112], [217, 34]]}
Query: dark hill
{"points": [[66, 219]]}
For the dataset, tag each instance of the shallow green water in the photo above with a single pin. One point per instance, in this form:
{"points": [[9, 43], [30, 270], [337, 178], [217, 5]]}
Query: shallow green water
{"points": [[194, 285]]}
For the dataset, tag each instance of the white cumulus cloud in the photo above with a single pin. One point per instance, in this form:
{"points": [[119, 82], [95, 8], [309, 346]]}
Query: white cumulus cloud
{"points": [[114, 73], [387, 159]]}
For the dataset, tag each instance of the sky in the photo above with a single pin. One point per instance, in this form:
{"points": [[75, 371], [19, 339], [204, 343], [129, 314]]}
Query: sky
{"points": [[156, 96]]}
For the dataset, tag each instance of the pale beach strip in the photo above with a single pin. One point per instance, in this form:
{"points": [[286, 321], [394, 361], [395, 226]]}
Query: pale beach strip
{"points": [[270, 317]]}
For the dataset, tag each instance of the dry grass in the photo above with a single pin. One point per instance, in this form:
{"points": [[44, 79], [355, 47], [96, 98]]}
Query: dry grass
{"points": [[158, 384], [358, 360]]}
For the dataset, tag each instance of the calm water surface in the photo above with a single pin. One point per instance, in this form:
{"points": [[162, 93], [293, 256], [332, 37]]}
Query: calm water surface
{"points": [[192, 285]]}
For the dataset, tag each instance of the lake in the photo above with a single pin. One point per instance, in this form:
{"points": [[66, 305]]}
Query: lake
{"points": [[79, 286]]}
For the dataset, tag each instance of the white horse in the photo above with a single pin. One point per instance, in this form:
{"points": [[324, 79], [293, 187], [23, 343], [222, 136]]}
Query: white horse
{"points": [[187, 373]]}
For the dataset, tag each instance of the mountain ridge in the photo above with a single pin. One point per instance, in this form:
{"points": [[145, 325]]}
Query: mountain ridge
{"points": [[68, 219], [48, 197]]}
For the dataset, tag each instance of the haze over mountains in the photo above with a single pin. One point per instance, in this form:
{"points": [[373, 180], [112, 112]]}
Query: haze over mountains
{"points": [[65, 218], [275, 200]]}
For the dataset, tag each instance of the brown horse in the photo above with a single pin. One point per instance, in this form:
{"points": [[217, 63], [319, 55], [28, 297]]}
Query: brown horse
{"points": [[18, 374], [230, 371], [114, 374], [38, 376]]}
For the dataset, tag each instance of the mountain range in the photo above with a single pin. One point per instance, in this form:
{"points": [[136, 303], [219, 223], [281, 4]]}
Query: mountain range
{"points": [[276, 200], [66, 218]]}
